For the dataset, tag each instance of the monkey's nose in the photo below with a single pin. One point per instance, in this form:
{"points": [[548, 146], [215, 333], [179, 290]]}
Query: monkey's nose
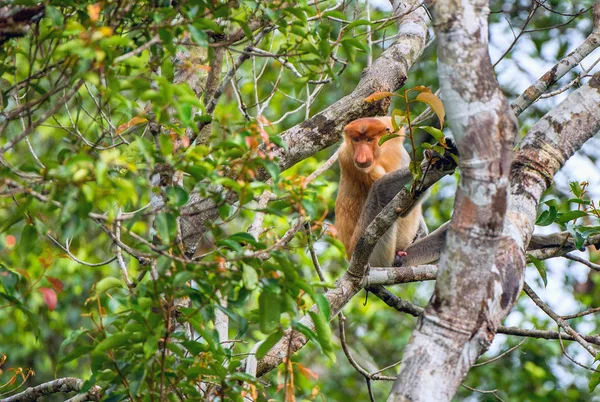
{"points": [[363, 165]]}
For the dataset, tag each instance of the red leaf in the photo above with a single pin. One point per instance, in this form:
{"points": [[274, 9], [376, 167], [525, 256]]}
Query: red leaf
{"points": [[49, 297], [56, 284]]}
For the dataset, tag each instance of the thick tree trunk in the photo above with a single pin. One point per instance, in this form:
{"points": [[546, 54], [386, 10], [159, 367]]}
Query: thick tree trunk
{"points": [[456, 325], [475, 290]]}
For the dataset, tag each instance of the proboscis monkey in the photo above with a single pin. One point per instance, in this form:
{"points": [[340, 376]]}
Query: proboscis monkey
{"points": [[363, 166], [371, 175]]}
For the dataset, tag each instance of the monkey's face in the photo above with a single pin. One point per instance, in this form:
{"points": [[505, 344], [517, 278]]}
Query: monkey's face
{"points": [[362, 137]]}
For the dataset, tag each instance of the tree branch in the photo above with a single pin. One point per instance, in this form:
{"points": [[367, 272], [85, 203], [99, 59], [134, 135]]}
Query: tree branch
{"points": [[56, 386], [570, 61], [353, 279]]}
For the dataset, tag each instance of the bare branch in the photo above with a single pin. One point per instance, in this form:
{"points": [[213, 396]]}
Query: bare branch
{"points": [[404, 306], [56, 386], [581, 313], [561, 68], [562, 323], [396, 275], [583, 261]]}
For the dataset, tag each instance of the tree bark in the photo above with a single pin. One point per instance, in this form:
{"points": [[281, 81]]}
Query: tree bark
{"points": [[439, 356], [457, 325]]}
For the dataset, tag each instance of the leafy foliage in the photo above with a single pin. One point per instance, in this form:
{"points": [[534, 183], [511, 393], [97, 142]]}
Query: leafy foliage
{"points": [[99, 98]]}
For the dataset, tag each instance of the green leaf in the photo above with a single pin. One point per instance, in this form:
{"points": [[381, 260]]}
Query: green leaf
{"points": [[269, 308], [233, 245], [108, 283], [268, 344], [76, 353], [323, 304], [243, 237], [576, 188], [334, 13], [177, 195], [33, 321], [306, 331], [357, 23], [166, 226], [435, 133], [207, 23], [580, 201], [577, 235], [547, 217], [28, 240], [386, 138], [250, 277], [55, 16], [569, 216], [323, 334], [541, 267], [113, 341], [594, 381], [195, 347], [398, 118]]}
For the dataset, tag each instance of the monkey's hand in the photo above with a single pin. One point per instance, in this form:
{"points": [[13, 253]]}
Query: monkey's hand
{"points": [[399, 258]]}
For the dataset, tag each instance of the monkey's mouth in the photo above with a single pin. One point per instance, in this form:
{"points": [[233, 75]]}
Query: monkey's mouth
{"points": [[365, 167]]}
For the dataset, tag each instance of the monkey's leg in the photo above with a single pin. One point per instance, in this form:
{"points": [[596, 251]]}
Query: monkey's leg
{"points": [[424, 251], [384, 251]]}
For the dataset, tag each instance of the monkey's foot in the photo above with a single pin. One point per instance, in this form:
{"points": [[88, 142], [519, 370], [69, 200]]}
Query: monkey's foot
{"points": [[399, 258]]}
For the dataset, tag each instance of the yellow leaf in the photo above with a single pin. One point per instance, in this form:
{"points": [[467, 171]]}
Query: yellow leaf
{"points": [[435, 103], [306, 372], [105, 31], [130, 123], [376, 96], [420, 88]]}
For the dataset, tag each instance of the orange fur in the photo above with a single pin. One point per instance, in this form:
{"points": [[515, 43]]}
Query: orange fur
{"points": [[362, 161]]}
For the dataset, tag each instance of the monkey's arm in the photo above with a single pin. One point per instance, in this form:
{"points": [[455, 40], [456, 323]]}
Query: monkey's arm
{"points": [[425, 250], [381, 193]]}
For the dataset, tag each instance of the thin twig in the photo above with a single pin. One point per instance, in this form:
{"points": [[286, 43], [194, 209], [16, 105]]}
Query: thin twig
{"points": [[562, 323], [42, 119], [68, 251], [155, 39], [583, 261], [500, 356], [120, 259], [581, 314]]}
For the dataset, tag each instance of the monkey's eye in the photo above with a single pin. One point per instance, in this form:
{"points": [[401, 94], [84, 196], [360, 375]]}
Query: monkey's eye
{"points": [[356, 139], [370, 139]]}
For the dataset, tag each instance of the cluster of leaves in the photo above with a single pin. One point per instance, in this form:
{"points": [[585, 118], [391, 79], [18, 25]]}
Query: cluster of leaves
{"points": [[567, 220]]}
